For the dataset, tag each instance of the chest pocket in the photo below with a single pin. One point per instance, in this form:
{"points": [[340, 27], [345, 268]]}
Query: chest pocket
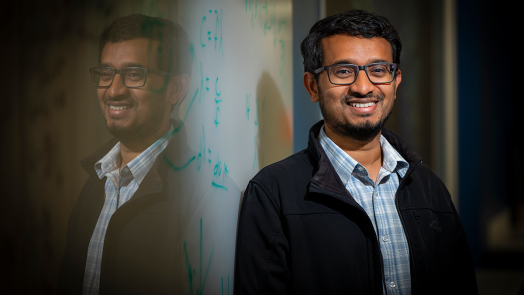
{"points": [[433, 242]]}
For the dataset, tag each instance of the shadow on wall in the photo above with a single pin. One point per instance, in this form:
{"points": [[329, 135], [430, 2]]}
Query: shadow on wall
{"points": [[275, 131]]}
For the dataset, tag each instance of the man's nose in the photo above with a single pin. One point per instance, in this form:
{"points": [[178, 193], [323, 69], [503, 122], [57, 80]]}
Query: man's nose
{"points": [[362, 85], [117, 88]]}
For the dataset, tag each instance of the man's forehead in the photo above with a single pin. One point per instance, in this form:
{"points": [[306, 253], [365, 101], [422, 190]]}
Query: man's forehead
{"points": [[134, 52], [356, 49]]}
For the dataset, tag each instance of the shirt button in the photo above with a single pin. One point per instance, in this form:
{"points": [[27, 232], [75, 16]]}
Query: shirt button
{"points": [[97, 284], [392, 284], [385, 239]]}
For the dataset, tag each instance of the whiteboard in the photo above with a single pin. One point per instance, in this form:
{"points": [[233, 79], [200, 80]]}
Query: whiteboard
{"points": [[241, 84], [238, 119]]}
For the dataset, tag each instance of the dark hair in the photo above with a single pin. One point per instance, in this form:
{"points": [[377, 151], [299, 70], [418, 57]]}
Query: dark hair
{"points": [[173, 51], [354, 23]]}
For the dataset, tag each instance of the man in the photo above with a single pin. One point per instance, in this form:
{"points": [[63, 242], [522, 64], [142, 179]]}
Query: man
{"points": [[134, 228], [355, 212]]}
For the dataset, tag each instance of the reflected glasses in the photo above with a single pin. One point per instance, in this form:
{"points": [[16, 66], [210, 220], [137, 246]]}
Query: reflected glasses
{"points": [[346, 74], [132, 77]]}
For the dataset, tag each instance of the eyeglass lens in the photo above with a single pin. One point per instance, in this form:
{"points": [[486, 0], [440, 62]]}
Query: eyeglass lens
{"points": [[133, 77], [347, 74]]}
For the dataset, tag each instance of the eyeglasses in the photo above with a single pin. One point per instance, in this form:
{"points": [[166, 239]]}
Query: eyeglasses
{"points": [[132, 77], [346, 74]]}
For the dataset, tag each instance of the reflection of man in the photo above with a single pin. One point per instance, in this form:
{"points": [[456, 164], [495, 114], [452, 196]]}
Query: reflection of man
{"points": [[356, 212], [122, 231]]}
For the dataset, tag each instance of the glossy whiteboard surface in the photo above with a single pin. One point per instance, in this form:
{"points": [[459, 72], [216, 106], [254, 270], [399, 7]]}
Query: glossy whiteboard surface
{"points": [[238, 118]]}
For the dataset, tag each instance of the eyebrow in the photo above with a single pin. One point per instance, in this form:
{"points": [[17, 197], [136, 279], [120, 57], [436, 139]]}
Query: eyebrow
{"points": [[125, 65], [347, 61]]}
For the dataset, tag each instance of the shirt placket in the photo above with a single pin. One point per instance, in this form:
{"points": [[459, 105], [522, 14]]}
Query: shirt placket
{"points": [[108, 210], [123, 185], [386, 237]]}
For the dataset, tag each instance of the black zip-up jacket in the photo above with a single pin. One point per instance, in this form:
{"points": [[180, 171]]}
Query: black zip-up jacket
{"points": [[301, 232]]}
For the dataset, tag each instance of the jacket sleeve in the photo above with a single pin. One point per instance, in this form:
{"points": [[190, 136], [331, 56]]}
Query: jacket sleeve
{"points": [[262, 247]]}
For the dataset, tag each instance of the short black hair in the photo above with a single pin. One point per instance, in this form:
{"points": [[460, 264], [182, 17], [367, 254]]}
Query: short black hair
{"points": [[354, 23], [173, 51]]}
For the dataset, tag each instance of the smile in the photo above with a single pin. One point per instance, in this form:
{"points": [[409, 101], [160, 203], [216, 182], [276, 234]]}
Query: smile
{"points": [[118, 108], [361, 105]]}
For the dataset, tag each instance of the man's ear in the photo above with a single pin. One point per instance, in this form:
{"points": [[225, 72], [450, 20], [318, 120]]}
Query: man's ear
{"points": [[178, 87], [311, 86], [398, 79]]}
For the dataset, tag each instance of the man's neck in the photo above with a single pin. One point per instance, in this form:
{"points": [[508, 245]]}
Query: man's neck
{"points": [[131, 148], [367, 153]]}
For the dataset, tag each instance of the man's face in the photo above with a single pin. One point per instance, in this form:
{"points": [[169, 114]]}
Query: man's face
{"points": [[134, 113], [342, 105]]}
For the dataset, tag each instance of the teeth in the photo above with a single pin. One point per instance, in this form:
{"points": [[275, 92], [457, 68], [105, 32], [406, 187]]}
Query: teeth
{"points": [[121, 108], [362, 105]]}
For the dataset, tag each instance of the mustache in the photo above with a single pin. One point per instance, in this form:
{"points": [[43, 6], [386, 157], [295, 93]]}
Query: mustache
{"points": [[347, 98], [128, 100]]}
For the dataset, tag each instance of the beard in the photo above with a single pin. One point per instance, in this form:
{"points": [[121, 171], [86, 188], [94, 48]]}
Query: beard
{"points": [[142, 127], [362, 132]]}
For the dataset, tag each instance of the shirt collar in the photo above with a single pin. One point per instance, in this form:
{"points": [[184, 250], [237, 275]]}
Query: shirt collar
{"points": [[345, 165], [392, 161], [139, 166], [109, 162]]}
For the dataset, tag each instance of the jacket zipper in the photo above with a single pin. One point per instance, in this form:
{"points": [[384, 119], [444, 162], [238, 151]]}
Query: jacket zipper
{"points": [[412, 271]]}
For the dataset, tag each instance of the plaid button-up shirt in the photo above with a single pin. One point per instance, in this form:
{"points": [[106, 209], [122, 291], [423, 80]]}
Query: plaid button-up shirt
{"points": [[119, 188], [378, 200]]}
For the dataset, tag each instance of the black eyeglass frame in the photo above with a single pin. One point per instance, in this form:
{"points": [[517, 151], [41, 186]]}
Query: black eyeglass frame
{"points": [[118, 71], [365, 68]]}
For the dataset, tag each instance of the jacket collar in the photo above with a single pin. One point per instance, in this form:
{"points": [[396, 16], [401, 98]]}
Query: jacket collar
{"points": [[89, 162], [325, 175]]}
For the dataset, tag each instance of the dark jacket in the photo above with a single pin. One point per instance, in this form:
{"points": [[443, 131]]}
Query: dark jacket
{"points": [[148, 247], [301, 232]]}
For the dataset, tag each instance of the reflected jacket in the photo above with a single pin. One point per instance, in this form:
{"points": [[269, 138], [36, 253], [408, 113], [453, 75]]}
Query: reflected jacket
{"points": [[301, 232], [147, 246]]}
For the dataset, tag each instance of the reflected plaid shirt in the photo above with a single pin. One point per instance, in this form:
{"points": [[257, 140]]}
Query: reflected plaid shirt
{"points": [[119, 188], [379, 203]]}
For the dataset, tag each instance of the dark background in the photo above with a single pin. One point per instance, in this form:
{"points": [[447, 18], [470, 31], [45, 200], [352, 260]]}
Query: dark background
{"points": [[490, 110]]}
